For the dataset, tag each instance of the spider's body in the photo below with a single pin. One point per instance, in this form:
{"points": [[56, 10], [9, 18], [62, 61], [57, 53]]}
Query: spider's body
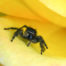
{"points": [[29, 34]]}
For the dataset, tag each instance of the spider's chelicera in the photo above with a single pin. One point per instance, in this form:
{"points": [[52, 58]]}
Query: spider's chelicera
{"points": [[30, 34]]}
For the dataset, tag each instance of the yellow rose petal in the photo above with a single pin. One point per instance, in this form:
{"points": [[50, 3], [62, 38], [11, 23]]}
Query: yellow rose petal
{"points": [[16, 8], [36, 9], [57, 6], [41, 8], [16, 53]]}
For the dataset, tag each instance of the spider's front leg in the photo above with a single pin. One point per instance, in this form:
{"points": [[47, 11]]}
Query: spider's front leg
{"points": [[15, 34], [13, 28], [18, 32]]}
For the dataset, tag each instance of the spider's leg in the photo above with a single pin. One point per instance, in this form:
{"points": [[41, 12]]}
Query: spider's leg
{"points": [[45, 45], [42, 48], [13, 28], [15, 34], [42, 41], [29, 43]]}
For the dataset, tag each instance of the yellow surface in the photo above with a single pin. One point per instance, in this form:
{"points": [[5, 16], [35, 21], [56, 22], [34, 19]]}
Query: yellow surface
{"points": [[47, 17], [16, 8], [58, 6], [52, 10], [49, 13], [16, 53]]}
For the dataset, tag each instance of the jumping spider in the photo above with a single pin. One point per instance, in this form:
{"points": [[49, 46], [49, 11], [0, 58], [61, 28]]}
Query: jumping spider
{"points": [[29, 34]]}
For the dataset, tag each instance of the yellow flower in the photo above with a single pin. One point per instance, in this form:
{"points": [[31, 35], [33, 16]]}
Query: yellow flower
{"points": [[50, 25]]}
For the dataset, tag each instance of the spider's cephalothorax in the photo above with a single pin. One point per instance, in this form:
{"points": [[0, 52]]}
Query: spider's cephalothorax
{"points": [[29, 34]]}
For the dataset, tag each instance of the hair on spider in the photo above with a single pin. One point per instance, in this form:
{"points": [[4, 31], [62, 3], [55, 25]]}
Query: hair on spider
{"points": [[30, 34]]}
